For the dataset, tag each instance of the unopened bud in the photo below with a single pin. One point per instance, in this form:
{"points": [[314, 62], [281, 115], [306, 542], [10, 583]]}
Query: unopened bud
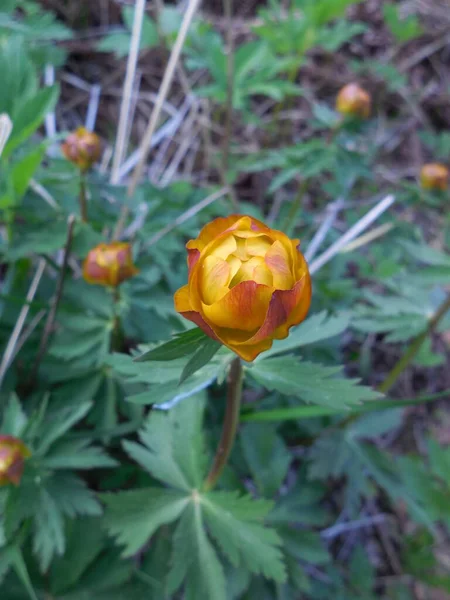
{"points": [[13, 453], [434, 176], [82, 148], [109, 264], [354, 101]]}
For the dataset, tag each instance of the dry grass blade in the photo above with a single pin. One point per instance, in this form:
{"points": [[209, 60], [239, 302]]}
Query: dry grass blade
{"points": [[187, 215], [119, 153], [352, 233], [13, 340], [162, 94], [5, 130]]}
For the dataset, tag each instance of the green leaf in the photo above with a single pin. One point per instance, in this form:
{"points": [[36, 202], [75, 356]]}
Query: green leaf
{"points": [[20, 567], [30, 115], [14, 419], [202, 357], [76, 454], [304, 545], [235, 523], [149, 32], [183, 344], [194, 559], [60, 423], [72, 495], [403, 29], [316, 328], [267, 457], [132, 517], [85, 541], [310, 382], [24, 169], [172, 446], [48, 534]]}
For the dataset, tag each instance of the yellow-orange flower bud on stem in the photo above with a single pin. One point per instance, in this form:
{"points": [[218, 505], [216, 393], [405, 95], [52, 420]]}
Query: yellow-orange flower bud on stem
{"points": [[109, 264], [13, 453], [248, 284], [354, 101], [434, 176], [83, 148]]}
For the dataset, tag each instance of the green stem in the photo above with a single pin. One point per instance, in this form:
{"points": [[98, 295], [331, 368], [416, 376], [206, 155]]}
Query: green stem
{"points": [[82, 198], [234, 394], [414, 348], [296, 205]]}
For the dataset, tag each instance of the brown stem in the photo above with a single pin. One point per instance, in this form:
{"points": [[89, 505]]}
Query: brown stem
{"points": [[82, 198], [230, 424], [49, 324], [414, 348]]}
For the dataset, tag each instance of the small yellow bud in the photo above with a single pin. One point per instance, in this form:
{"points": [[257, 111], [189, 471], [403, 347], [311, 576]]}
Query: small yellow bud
{"points": [[82, 148], [354, 101], [434, 176], [12, 456], [109, 264]]}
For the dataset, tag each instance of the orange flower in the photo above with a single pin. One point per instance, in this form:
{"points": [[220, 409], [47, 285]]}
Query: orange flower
{"points": [[434, 176], [109, 264], [354, 101], [12, 455], [83, 148], [248, 284]]}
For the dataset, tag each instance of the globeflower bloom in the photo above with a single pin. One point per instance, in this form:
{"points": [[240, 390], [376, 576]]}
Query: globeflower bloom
{"points": [[83, 148], [248, 284], [434, 176], [354, 101], [13, 453], [109, 264]]}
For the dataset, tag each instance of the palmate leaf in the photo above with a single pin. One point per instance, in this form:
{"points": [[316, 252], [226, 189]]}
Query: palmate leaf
{"points": [[172, 446], [61, 495], [267, 457], [310, 382], [77, 454], [195, 560], [318, 327], [172, 450], [133, 517], [235, 523]]}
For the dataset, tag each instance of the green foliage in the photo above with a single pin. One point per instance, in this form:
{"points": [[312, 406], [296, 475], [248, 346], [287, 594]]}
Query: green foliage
{"points": [[403, 29], [310, 382], [122, 408], [172, 451], [119, 42]]}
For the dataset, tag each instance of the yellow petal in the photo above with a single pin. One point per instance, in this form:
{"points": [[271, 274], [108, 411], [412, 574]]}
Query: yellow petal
{"points": [[244, 307], [277, 259], [181, 300], [223, 247], [254, 269], [215, 275], [258, 245]]}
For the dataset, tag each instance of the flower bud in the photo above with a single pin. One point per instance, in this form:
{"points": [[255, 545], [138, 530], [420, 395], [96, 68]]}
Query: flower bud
{"points": [[12, 455], [434, 176], [82, 148], [247, 286], [354, 101], [109, 264]]}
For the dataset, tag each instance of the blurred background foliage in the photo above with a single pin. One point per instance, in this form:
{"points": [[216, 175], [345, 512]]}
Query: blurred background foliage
{"points": [[338, 484]]}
